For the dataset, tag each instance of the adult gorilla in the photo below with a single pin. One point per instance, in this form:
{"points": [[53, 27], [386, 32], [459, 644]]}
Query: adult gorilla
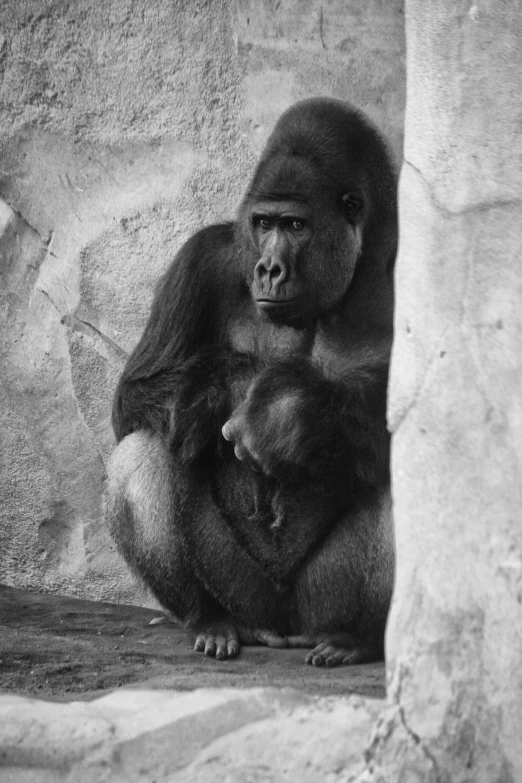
{"points": [[250, 486]]}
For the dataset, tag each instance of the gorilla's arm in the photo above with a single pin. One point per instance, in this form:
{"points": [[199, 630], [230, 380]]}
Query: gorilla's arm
{"points": [[178, 367]]}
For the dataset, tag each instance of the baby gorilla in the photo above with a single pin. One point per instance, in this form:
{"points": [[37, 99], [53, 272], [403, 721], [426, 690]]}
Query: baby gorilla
{"points": [[289, 426]]}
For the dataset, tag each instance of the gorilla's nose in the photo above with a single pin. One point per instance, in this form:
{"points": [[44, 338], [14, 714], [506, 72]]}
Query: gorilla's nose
{"points": [[270, 272]]}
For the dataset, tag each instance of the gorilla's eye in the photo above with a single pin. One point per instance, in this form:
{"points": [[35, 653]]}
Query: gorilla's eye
{"points": [[297, 225], [352, 205], [265, 223]]}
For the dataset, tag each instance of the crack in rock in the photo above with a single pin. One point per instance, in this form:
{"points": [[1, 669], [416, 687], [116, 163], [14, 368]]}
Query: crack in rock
{"points": [[479, 207], [78, 324], [410, 732], [49, 297], [46, 241], [418, 742]]}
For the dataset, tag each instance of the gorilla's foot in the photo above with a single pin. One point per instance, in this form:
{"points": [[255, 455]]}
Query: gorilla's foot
{"points": [[331, 652], [218, 639]]}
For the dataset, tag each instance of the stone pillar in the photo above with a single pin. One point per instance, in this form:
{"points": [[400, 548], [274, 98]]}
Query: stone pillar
{"points": [[454, 644]]}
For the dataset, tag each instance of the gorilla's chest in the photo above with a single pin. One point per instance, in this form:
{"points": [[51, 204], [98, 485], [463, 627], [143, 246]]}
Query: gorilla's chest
{"points": [[267, 341]]}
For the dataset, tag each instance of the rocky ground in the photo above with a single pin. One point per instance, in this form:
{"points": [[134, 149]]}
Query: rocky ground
{"points": [[144, 707], [63, 648]]}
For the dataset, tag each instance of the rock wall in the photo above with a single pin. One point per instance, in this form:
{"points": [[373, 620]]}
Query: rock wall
{"points": [[455, 631], [125, 126]]}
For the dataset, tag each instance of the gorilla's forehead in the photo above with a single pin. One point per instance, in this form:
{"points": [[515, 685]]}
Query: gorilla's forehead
{"points": [[296, 177], [281, 204]]}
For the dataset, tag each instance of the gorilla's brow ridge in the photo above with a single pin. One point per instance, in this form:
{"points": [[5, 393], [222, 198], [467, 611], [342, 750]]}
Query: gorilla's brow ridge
{"points": [[271, 196]]}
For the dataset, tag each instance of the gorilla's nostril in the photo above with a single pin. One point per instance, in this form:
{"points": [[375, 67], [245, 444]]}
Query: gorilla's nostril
{"points": [[275, 273]]}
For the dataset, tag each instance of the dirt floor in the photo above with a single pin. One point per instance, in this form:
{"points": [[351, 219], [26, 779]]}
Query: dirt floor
{"points": [[63, 648]]}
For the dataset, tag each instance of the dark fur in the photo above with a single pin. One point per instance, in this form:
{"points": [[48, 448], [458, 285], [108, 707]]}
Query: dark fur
{"points": [[296, 538]]}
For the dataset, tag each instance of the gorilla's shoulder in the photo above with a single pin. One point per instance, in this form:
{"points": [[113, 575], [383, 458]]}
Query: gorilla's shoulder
{"points": [[211, 238], [201, 267]]}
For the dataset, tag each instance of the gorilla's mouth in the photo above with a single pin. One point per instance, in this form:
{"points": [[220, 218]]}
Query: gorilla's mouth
{"points": [[274, 304], [286, 311]]}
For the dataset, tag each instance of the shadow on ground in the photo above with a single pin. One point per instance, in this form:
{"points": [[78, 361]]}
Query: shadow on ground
{"points": [[64, 648]]}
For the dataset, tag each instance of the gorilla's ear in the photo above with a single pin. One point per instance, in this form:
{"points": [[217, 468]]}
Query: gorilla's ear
{"points": [[353, 206]]}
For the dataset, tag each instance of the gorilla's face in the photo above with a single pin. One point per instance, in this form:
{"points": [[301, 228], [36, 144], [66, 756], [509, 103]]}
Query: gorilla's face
{"points": [[302, 255]]}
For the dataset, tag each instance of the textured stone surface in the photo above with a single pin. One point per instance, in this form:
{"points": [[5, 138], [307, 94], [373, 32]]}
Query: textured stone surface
{"points": [[455, 631], [206, 735], [125, 126]]}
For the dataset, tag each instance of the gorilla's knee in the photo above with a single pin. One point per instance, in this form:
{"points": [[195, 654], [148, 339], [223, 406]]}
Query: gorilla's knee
{"points": [[138, 496]]}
